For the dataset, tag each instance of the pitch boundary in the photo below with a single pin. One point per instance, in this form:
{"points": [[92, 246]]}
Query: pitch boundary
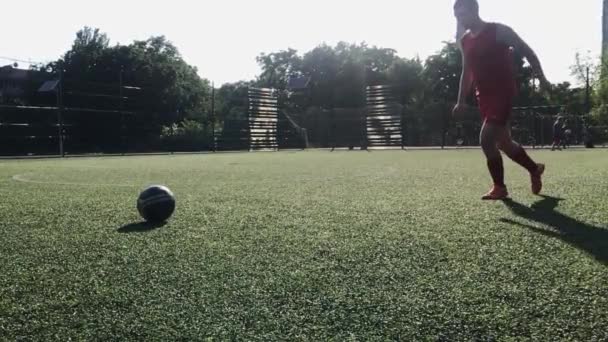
{"points": [[23, 178]]}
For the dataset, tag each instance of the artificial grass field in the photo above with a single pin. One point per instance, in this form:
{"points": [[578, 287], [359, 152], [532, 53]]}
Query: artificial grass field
{"points": [[304, 246]]}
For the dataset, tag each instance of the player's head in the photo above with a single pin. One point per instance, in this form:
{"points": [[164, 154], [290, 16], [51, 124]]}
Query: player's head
{"points": [[466, 12]]}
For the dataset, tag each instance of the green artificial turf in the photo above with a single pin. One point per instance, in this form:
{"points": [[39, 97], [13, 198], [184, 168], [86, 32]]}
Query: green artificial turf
{"points": [[304, 246]]}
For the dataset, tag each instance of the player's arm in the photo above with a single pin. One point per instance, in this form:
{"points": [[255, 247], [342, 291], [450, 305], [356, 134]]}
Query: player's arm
{"points": [[466, 79], [509, 37]]}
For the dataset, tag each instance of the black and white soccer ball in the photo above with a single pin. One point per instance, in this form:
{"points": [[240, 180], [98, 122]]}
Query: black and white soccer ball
{"points": [[156, 204]]}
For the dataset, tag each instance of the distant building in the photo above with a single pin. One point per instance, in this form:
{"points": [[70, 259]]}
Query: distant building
{"points": [[18, 86], [13, 84]]}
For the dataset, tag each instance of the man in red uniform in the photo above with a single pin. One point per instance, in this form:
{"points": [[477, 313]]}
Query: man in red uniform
{"points": [[488, 65]]}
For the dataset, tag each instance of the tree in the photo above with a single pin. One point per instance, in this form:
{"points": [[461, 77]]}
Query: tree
{"points": [[87, 52], [598, 83], [441, 77], [573, 99], [278, 68], [338, 75], [580, 67], [231, 101], [603, 86], [172, 89], [587, 71], [322, 65], [406, 75], [442, 74], [605, 31]]}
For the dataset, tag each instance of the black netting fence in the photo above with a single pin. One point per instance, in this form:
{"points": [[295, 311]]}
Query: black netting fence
{"points": [[62, 116], [75, 117]]}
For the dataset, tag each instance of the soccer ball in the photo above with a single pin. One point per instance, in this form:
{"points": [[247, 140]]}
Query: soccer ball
{"points": [[156, 204]]}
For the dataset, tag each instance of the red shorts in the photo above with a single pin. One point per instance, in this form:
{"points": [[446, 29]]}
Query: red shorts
{"points": [[496, 108]]}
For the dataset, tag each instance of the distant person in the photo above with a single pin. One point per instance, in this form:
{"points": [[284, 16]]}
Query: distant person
{"points": [[488, 65], [557, 134], [567, 134]]}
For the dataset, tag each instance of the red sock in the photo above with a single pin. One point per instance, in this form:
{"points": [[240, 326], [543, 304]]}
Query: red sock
{"points": [[521, 157], [497, 171]]}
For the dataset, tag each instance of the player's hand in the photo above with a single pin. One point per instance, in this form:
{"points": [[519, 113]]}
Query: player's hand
{"points": [[459, 108]]}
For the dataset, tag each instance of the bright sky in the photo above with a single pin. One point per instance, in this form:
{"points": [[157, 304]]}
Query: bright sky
{"points": [[223, 37]]}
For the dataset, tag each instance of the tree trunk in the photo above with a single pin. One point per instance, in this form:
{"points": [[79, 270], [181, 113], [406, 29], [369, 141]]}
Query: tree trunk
{"points": [[605, 32], [604, 52]]}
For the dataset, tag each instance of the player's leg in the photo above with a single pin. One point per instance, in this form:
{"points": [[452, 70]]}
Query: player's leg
{"points": [[519, 155], [488, 139], [555, 144]]}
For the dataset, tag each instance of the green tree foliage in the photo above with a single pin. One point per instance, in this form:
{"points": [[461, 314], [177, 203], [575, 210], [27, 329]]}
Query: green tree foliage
{"points": [[598, 84], [172, 89], [605, 30], [188, 135], [231, 100], [339, 74], [441, 74], [573, 99], [600, 110], [277, 68], [406, 74]]}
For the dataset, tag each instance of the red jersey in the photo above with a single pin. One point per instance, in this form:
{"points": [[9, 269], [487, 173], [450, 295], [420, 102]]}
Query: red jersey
{"points": [[491, 63]]}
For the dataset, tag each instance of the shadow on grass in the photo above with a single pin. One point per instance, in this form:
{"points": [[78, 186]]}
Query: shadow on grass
{"points": [[588, 238], [141, 227]]}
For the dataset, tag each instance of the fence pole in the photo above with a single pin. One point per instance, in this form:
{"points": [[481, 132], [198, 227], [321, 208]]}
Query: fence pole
{"points": [[332, 135], [59, 91], [403, 123], [364, 139], [444, 129], [587, 94], [213, 143], [542, 131], [120, 112]]}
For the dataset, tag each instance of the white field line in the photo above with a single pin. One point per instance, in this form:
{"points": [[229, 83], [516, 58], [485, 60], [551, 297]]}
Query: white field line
{"points": [[23, 179]]}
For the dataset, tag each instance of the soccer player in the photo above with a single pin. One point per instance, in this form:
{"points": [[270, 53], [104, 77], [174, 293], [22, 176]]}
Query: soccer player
{"points": [[488, 65]]}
